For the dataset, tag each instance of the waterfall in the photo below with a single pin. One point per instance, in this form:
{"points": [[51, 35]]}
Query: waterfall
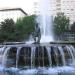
{"points": [[56, 55], [4, 61], [70, 53], [49, 55], [2, 49], [17, 56], [62, 54], [39, 55], [73, 50], [33, 56]]}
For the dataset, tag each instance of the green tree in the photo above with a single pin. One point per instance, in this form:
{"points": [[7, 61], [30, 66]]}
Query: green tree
{"points": [[7, 30], [19, 31], [61, 23], [24, 27]]}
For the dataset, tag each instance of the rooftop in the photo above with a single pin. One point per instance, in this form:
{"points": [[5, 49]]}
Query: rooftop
{"points": [[14, 9]]}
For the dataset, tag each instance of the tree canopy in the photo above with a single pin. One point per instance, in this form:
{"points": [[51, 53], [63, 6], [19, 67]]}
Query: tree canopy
{"points": [[25, 26], [19, 31], [61, 23], [7, 30]]}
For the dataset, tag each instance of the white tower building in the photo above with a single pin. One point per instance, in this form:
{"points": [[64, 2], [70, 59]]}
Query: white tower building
{"points": [[65, 6]]}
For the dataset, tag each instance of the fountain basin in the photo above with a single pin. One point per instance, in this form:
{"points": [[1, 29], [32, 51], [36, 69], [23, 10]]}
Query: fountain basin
{"points": [[52, 58]]}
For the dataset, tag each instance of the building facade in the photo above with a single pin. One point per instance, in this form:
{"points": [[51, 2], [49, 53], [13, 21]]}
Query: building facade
{"points": [[68, 7], [14, 13], [65, 6]]}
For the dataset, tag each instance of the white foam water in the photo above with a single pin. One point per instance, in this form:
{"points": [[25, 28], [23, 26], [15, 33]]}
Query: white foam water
{"points": [[46, 39], [65, 70]]}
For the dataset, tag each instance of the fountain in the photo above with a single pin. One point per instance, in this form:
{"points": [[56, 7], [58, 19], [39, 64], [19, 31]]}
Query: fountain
{"points": [[41, 57], [34, 59]]}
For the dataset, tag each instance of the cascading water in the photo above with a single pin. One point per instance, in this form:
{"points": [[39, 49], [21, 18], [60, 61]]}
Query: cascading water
{"points": [[39, 59], [17, 56], [5, 56]]}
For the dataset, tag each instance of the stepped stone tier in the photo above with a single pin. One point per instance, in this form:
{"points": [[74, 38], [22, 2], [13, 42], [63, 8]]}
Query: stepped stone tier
{"points": [[51, 54]]}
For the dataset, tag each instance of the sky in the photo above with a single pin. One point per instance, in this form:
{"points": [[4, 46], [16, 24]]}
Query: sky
{"points": [[26, 5]]}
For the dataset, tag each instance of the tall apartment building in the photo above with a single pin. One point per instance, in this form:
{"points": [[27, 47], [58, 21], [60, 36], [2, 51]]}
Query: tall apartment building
{"points": [[36, 7], [68, 7], [65, 6]]}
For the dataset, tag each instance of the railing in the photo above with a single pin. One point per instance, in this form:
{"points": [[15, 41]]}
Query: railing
{"points": [[66, 37]]}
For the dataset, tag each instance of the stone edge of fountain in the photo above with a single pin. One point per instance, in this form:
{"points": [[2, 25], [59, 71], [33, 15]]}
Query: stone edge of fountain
{"points": [[52, 42], [62, 42]]}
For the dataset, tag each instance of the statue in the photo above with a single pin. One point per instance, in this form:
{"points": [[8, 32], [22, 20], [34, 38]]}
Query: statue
{"points": [[37, 34]]}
